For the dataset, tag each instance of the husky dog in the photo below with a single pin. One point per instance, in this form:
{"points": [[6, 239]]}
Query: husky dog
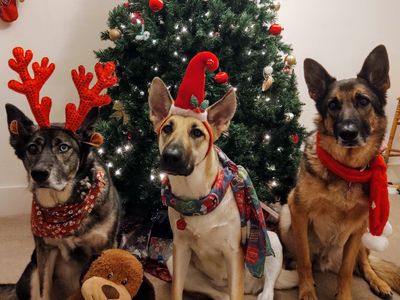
{"points": [[60, 169], [75, 207], [326, 216]]}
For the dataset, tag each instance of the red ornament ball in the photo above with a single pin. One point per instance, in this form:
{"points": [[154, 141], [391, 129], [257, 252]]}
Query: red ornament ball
{"points": [[156, 5], [127, 4], [221, 77], [275, 29], [295, 138], [137, 18]]}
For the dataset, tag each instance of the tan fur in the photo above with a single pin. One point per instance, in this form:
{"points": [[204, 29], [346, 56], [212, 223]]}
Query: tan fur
{"points": [[207, 254]]}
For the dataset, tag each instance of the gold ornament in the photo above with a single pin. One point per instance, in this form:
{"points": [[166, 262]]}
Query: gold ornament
{"points": [[275, 6], [290, 60], [114, 34], [119, 112], [267, 83]]}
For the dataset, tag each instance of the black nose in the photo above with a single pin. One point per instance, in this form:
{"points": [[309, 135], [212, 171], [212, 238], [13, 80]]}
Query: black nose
{"points": [[40, 175], [171, 156], [348, 132], [173, 161]]}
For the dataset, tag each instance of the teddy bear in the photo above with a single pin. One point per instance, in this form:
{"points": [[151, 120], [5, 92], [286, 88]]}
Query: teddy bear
{"points": [[115, 274]]}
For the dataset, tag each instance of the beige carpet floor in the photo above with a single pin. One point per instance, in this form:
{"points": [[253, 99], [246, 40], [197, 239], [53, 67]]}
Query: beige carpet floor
{"points": [[16, 246]]}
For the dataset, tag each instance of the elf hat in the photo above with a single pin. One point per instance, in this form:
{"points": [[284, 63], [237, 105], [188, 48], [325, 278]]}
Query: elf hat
{"points": [[190, 100]]}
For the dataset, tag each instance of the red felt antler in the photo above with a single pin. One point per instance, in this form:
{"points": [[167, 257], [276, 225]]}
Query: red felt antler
{"points": [[31, 87], [89, 98]]}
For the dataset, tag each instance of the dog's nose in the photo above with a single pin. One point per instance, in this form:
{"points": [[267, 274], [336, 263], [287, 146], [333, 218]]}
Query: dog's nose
{"points": [[348, 132], [40, 175], [172, 156]]}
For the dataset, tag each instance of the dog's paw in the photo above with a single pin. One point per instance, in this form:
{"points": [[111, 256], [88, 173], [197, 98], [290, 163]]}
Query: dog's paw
{"points": [[381, 289], [308, 294]]}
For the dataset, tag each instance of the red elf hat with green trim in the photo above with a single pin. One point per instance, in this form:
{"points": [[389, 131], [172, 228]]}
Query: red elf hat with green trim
{"points": [[190, 100]]}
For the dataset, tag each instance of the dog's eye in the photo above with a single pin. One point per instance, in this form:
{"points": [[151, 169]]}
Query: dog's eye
{"points": [[167, 129], [334, 104], [124, 281], [362, 101], [110, 275], [196, 133], [63, 148], [33, 149]]}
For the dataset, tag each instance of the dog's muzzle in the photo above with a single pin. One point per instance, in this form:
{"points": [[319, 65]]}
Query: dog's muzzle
{"points": [[348, 134], [173, 162]]}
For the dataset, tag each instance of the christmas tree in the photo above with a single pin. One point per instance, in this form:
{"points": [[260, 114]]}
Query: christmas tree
{"points": [[158, 39]]}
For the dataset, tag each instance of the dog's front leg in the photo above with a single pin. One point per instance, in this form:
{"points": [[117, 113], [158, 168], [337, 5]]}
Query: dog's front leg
{"points": [[345, 276], [181, 259], [46, 258], [235, 266], [300, 234]]}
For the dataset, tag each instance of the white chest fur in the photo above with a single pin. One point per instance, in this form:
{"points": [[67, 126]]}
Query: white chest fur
{"points": [[210, 235]]}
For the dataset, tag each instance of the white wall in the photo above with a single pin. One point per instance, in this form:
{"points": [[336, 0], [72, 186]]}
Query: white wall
{"points": [[67, 32], [339, 34]]}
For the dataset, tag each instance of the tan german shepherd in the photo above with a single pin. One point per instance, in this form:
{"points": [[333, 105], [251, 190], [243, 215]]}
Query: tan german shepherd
{"points": [[327, 216], [207, 256]]}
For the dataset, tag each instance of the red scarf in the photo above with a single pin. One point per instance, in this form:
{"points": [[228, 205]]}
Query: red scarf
{"points": [[377, 179], [61, 221]]}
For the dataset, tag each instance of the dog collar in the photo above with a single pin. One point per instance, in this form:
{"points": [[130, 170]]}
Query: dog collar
{"points": [[64, 220], [206, 125]]}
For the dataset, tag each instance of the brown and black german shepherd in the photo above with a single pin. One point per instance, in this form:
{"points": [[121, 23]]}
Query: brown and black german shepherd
{"points": [[326, 217]]}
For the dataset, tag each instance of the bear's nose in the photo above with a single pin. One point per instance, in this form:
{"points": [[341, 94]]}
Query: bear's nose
{"points": [[110, 292]]}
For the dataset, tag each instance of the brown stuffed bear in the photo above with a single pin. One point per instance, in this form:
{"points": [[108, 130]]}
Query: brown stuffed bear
{"points": [[116, 274]]}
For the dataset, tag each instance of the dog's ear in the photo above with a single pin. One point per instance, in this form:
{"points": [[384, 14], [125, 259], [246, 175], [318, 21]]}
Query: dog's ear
{"points": [[160, 101], [317, 79], [375, 69], [18, 123], [221, 113], [86, 131], [20, 128]]}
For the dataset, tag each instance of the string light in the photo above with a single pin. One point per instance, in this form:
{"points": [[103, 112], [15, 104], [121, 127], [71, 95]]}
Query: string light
{"points": [[127, 147], [175, 53], [211, 33], [267, 138], [178, 38], [184, 29], [154, 42], [119, 150], [109, 164], [267, 99], [118, 172], [162, 176], [184, 59], [152, 177], [100, 151]]}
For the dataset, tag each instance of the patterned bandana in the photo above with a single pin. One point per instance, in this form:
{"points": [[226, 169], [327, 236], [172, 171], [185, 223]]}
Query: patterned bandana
{"points": [[257, 245], [61, 221]]}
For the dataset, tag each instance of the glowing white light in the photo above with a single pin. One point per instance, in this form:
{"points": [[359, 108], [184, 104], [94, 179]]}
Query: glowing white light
{"points": [[235, 89], [154, 42], [152, 177], [246, 29], [141, 93], [184, 59], [109, 165], [249, 53], [162, 176], [184, 29], [176, 26], [267, 99], [101, 151], [279, 149], [207, 14], [267, 137], [211, 33], [178, 38], [127, 147], [263, 52], [119, 150], [118, 172], [274, 183], [156, 69], [122, 26], [175, 53]]}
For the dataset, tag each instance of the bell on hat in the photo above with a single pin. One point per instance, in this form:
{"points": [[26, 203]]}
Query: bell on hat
{"points": [[190, 100]]}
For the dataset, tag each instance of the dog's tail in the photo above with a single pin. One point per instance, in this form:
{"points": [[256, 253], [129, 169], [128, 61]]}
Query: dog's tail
{"points": [[7, 292], [287, 279], [387, 271]]}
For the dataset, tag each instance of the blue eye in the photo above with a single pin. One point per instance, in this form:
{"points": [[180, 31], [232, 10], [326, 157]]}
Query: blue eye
{"points": [[63, 148]]}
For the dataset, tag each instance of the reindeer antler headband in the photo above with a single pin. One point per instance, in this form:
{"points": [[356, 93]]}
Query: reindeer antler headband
{"points": [[31, 86]]}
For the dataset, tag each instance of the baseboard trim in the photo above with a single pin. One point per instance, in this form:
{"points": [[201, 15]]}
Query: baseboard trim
{"points": [[15, 200]]}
